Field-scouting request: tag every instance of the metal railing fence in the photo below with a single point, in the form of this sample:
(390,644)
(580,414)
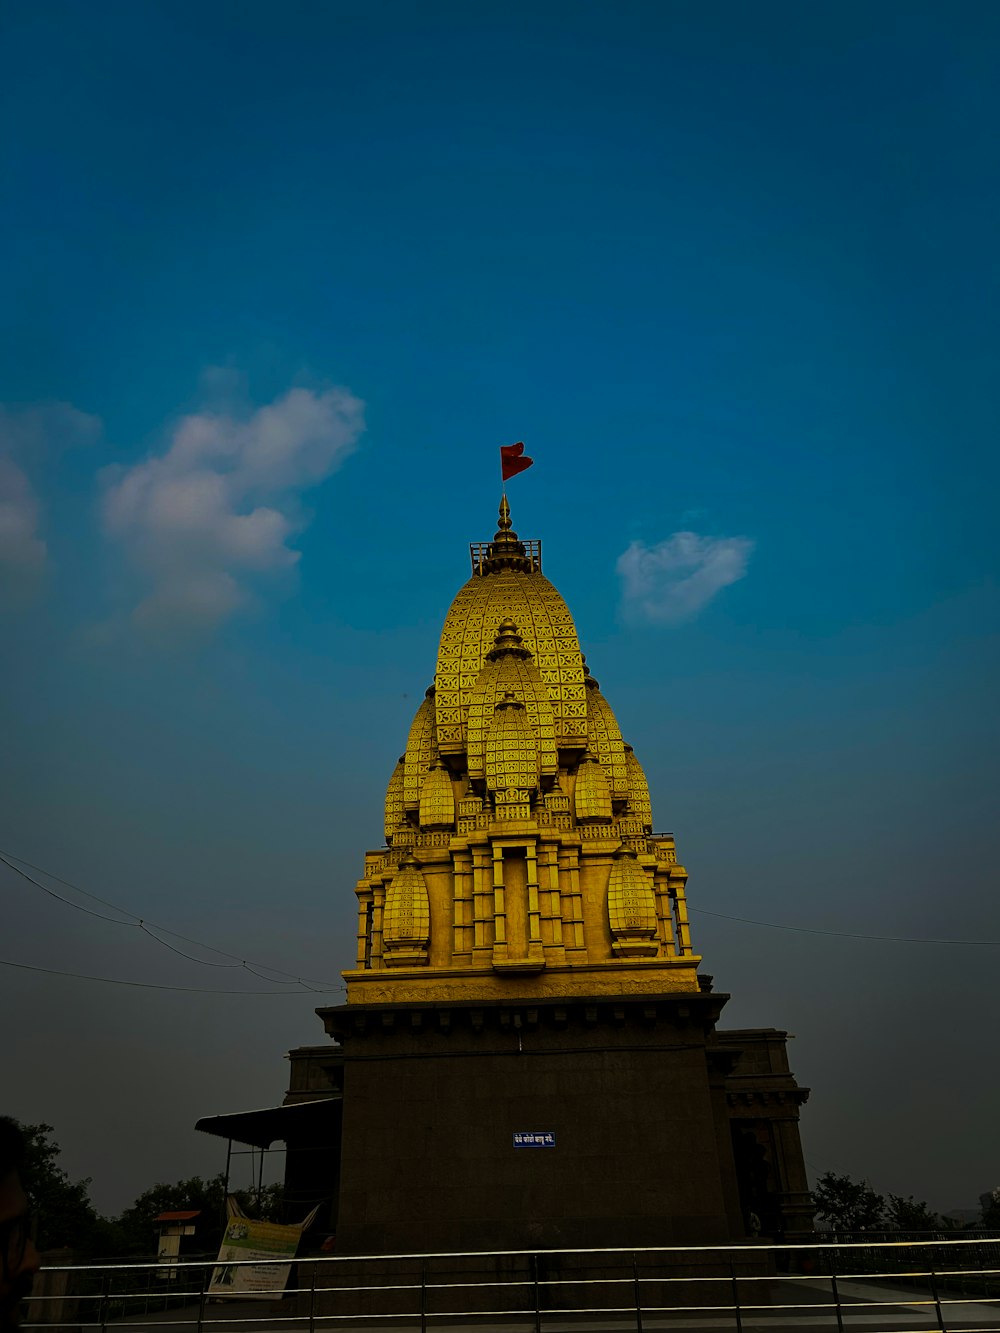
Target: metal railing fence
(942,1285)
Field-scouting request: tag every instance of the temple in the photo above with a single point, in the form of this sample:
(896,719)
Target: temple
(528,1052)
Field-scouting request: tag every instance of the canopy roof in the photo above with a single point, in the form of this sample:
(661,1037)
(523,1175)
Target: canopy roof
(259,1129)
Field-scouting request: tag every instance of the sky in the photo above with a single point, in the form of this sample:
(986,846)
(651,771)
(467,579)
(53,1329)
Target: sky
(278,280)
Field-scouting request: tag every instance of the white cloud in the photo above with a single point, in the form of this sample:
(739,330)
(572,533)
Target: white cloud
(31,434)
(22,551)
(671,581)
(221,502)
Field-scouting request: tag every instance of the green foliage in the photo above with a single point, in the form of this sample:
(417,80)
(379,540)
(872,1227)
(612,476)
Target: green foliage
(269,1207)
(139,1231)
(848,1205)
(138,1228)
(68,1219)
(990,1204)
(910,1214)
(66,1216)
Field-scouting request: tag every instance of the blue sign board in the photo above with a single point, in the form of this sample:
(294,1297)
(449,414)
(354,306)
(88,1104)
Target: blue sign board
(538,1138)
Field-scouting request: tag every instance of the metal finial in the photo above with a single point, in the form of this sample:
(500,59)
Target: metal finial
(506,550)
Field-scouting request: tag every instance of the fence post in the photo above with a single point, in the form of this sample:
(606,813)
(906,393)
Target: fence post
(638,1294)
(105,1300)
(836,1301)
(534,1285)
(937,1301)
(736,1297)
(312,1300)
(206,1274)
(423,1296)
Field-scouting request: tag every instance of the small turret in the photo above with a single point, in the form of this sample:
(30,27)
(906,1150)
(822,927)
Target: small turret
(631,907)
(511,759)
(421,751)
(592,799)
(639,805)
(510,672)
(407,923)
(604,739)
(394,815)
(437,799)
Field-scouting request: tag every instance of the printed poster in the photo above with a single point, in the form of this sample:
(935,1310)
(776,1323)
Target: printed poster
(246,1238)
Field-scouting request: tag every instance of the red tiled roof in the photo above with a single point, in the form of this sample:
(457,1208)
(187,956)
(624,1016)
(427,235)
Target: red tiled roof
(177,1217)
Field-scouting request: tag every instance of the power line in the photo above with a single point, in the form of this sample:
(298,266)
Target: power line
(151,985)
(140,923)
(841,934)
(310,983)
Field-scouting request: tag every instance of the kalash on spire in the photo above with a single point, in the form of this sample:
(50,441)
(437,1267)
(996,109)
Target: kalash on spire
(520,858)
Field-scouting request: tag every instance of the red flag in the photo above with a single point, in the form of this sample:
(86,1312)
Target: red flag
(513,459)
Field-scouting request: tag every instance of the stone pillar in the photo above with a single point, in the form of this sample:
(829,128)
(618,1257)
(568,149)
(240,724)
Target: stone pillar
(664,916)
(534,906)
(464,907)
(551,903)
(499,909)
(572,897)
(482,883)
(364,924)
(378,905)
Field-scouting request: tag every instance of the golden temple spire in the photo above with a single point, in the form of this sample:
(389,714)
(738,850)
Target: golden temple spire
(519,857)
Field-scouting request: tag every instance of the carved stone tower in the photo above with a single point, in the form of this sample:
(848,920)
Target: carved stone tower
(520,859)
(524,976)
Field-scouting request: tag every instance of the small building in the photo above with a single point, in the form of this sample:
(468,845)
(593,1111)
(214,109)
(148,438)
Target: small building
(172,1230)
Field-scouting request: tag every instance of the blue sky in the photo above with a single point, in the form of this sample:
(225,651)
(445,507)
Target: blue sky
(278,281)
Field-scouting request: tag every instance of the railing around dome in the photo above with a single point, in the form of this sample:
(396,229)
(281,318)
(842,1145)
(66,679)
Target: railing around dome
(480,551)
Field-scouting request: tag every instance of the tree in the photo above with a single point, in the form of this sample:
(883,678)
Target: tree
(990,1203)
(910,1215)
(66,1216)
(846,1204)
(208,1197)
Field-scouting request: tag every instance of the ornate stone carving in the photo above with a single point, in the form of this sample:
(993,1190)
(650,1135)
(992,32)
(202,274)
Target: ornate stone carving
(631,906)
(592,798)
(394,800)
(406,927)
(437,799)
(528,814)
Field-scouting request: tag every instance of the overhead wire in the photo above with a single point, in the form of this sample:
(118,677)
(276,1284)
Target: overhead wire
(143,924)
(152,985)
(314,984)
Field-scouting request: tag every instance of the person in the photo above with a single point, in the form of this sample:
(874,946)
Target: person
(19,1260)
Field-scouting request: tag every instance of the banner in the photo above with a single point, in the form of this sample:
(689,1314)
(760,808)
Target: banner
(246,1238)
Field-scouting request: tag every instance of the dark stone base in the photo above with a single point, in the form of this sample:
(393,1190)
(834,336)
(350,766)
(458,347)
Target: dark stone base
(632,1090)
